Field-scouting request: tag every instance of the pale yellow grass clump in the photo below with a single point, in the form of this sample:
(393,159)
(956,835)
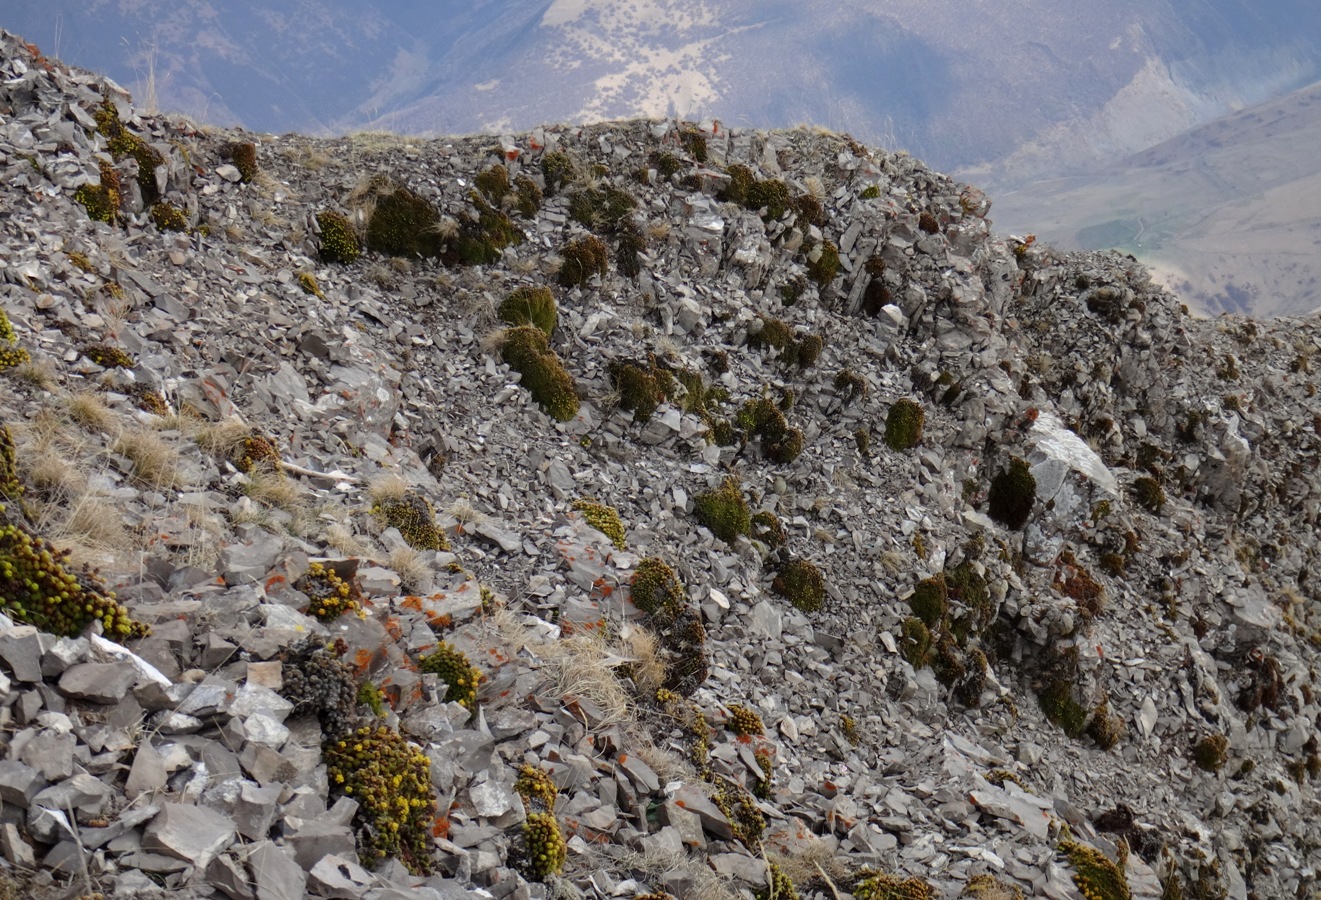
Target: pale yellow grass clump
(340,538)
(414,573)
(386,489)
(90,411)
(156,461)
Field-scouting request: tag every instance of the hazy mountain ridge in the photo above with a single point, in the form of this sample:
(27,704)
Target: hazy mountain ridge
(1225,213)
(1005,92)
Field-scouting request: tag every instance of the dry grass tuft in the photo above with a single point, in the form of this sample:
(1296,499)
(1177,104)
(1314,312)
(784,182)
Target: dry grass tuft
(222,438)
(386,488)
(155,460)
(340,538)
(40,373)
(269,487)
(583,666)
(93,532)
(647,666)
(90,411)
(806,856)
(414,574)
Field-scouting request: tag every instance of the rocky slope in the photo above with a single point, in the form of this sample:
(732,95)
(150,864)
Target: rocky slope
(944,564)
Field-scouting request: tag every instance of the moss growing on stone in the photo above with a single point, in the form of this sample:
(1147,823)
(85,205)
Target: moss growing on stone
(762,419)
(604,519)
(930,601)
(809,350)
(884,886)
(244,157)
(724,511)
(850,387)
(168,217)
(38,587)
(917,645)
(693,142)
(479,240)
(535,787)
(744,721)
(781,886)
(1096,876)
(1012,494)
(1211,752)
(531,306)
(774,334)
(629,242)
(527,196)
(1149,494)
(642,387)
(526,351)
(391,781)
(823,263)
(656,590)
(740,808)
(329,595)
(255,451)
(102,200)
(767,528)
(666,164)
(125,144)
(810,210)
(370,696)
(416,520)
(493,182)
(600,209)
(404,224)
(870,192)
(800,582)
(339,242)
(771,197)
(558,170)
(452,667)
(584,257)
(988,887)
(1058,703)
(926,221)
(903,424)
(741,182)
(108,357)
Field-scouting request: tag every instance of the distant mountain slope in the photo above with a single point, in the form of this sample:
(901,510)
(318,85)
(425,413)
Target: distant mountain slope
(1002,92)
(1228,213)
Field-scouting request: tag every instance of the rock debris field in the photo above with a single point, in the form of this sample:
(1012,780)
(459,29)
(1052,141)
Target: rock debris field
(640,509)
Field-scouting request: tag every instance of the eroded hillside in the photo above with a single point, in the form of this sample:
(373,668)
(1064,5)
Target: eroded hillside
(640,508)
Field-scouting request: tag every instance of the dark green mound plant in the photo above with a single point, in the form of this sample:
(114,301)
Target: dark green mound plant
(903,424)
(339,242)
(531,306)
(724,511)
(1012,494)
(526,351)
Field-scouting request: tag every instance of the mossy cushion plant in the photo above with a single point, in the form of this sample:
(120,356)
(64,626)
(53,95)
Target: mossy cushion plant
(452,665)
(527,352)
(416,520)
(584,257)
(884,886)
(1012,494)
(903,424)
(1096,876)
(800,582)
(531,306)
(38,587)
(656,590)
(339,242)
(404,224)
(724,511)
(391,781)
(329,595)
(604,519)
